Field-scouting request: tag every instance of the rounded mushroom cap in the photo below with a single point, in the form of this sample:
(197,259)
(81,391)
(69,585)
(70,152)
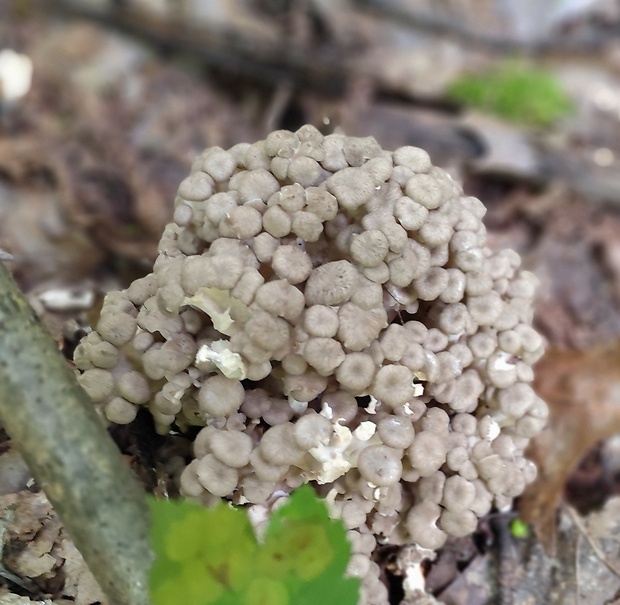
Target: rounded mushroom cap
(292,263)
(117,329)
(458,494)
(312,430)
(220,396)
(396,431)
(331,284)
(393,385)
(428,452)
(321,203)
(351,187)
(120,411)
(307,226)
(415,158)
(217,478)
(102,355)
(232,448)
(323,354)
(189,485)
(516,400)
(281,299)
(243,222)
(380,465)
(458,523)
(265,471)
(305,387)
(421,523)
(358,328)
(219,164)
(196,187)
(410,214)
(369,248)
(134,387)
(321,320)
(97,383)
(354,513)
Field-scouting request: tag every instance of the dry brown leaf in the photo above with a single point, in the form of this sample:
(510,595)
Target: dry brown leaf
(582,390)
(38,550)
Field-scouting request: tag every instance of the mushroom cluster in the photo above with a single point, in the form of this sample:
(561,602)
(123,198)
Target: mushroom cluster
(329,312)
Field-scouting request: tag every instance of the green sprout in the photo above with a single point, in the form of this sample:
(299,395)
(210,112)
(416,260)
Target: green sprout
(519,529)
(515,92)
(211,556)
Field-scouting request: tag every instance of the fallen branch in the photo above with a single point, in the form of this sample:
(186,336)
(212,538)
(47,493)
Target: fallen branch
(225,48)
(53,423)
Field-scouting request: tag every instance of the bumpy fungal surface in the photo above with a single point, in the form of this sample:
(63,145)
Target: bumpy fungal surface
(329,312)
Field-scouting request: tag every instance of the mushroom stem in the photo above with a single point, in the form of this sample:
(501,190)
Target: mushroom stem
(55,426)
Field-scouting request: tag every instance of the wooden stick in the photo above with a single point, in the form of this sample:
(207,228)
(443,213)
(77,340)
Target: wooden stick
(54,424)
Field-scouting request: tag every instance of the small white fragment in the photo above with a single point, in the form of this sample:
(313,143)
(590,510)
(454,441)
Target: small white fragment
(371,408)
(365,430)
(343,436)
(418,389)
(327,411)
(400,295)
(501,364)
(414,579)
(218,312)
(178,394)
(492,430)
(332,494)
(331,457)
(258,514)
(299,407)
(65,299)
(226,361)
(15,75)
(218,304)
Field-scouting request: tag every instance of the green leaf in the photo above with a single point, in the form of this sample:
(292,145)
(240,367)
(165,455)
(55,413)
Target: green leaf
(309,551)
(201,553)
(210,556)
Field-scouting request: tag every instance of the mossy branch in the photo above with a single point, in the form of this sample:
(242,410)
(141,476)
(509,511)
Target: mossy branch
(53,423)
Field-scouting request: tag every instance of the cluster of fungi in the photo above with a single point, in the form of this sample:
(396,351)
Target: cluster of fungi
(329,312)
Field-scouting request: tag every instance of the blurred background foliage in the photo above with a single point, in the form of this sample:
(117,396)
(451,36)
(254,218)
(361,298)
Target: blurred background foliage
(514,92)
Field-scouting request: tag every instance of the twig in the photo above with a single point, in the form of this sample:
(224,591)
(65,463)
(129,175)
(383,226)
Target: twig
(598,551)
(55,426)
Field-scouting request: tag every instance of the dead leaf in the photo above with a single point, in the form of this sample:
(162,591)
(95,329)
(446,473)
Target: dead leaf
(80,585)
(37,548)
(582,390)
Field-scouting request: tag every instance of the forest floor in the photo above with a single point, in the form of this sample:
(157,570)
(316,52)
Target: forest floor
(121,101)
